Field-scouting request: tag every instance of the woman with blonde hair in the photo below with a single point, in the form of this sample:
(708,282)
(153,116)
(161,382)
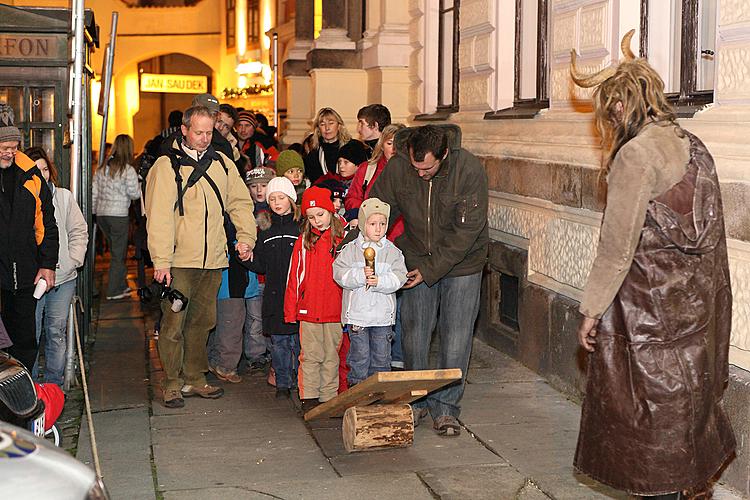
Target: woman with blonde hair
(329,134)
(384,150)
(114,187)
(657,307)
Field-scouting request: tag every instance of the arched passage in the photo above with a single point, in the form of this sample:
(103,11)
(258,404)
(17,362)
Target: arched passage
(155,107)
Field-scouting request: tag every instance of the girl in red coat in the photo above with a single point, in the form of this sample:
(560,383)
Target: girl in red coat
(314,299)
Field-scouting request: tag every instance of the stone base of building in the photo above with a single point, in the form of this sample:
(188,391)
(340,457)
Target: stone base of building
(537,326)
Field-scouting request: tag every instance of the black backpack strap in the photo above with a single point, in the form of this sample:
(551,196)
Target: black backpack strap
(194,178)
(178,179)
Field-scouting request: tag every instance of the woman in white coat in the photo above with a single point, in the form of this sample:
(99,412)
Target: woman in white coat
(52,308)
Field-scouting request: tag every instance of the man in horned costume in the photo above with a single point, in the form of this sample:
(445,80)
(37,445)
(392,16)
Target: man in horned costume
(657,305)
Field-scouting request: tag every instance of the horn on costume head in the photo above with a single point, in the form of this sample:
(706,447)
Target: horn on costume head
(595,79)
(625,46)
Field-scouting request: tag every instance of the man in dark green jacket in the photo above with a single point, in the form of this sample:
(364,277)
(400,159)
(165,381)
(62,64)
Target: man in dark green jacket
(441,191)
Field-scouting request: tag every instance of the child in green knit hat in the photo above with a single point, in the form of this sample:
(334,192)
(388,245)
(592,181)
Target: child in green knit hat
(289,164)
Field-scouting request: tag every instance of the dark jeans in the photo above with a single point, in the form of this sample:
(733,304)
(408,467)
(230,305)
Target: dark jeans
(19,317)
(285,359)
(116,231)
(52,316)
(369,351)
(397,352)
(457,299)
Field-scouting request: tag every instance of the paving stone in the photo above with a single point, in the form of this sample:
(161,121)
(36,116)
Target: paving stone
(375,487)
(478,482)
(429,451)
(123,442)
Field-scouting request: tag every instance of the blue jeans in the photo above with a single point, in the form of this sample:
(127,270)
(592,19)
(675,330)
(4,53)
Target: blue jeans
(285,359)
(52,313)
(457,299)
(397,352)
(256,344)
(369,351)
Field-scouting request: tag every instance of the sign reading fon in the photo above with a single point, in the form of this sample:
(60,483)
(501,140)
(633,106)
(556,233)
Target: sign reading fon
(174,84)
(28,47)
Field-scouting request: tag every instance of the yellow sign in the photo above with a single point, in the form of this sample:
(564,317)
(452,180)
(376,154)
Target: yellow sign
(174,84)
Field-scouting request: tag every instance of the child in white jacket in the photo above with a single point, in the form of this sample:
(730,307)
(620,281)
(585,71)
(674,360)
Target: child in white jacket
(369,298)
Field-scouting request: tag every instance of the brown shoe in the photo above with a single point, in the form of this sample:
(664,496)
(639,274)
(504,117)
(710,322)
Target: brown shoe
(227,376)
(173,399)
(207,391)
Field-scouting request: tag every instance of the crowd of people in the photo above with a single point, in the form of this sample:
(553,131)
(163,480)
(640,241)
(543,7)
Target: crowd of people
(290,260)
(337,258)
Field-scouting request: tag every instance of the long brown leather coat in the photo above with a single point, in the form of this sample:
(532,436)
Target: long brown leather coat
(652,422)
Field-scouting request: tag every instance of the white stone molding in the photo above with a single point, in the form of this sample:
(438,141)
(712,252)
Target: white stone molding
(561,244)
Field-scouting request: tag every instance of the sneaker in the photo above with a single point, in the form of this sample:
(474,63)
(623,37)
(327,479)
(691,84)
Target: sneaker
(121,295)
(283,394)
(447,425)
(173,399)
(258,366)
(207,391)
(227,376)
(419,415)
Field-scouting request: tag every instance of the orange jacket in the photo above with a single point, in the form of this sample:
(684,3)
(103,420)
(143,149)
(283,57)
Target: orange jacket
(28,231)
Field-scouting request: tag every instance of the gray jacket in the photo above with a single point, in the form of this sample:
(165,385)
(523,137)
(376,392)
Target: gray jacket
(375,306)
(74,235)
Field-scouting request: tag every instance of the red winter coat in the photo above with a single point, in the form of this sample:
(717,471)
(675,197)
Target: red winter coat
(356,195)
(311,293)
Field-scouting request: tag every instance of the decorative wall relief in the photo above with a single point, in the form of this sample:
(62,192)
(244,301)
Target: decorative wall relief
(734,12)
(562,247)
(739,274)
(734,73)
(593,28)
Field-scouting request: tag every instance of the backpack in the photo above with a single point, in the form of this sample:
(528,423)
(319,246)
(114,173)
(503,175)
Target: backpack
(194,177)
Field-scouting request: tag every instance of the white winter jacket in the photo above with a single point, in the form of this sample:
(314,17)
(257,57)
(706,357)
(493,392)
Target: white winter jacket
(74,235)
(376,306)
(111,196)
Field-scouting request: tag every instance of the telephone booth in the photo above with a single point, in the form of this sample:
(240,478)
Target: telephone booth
(35,77)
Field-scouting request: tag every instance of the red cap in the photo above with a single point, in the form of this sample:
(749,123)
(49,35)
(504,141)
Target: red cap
(316,197)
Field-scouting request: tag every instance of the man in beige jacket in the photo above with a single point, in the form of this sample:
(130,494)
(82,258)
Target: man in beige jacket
(188,191)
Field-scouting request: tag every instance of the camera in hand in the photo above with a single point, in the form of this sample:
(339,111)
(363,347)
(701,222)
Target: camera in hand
(154,293)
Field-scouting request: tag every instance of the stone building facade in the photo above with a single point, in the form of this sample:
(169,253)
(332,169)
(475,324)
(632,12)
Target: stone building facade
(499,69)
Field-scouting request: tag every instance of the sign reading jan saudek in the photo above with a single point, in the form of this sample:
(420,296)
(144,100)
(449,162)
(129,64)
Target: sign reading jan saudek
(174,84)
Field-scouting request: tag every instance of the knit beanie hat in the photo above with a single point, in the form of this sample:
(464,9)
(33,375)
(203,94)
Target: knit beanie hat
(337,189)
(259,175)
(354,151)
(370,207)
(288,160)
(317,197)
(8,131)
(247,116)
(281,185)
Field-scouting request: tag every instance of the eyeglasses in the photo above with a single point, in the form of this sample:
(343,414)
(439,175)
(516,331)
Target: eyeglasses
(9,149)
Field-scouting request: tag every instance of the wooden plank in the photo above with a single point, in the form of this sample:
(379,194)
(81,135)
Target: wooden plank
(385,388)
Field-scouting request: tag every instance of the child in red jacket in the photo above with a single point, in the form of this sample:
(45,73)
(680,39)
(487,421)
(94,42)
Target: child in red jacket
(314,299)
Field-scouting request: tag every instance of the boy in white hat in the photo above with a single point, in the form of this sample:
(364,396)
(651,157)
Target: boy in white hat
(370,283)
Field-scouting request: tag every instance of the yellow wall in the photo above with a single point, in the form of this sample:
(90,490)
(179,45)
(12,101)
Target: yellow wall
(144,33)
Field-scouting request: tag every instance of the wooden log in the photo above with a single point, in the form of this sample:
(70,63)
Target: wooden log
(377,427)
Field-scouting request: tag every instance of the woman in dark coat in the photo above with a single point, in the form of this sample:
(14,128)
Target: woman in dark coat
(657,305)
(329,134)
